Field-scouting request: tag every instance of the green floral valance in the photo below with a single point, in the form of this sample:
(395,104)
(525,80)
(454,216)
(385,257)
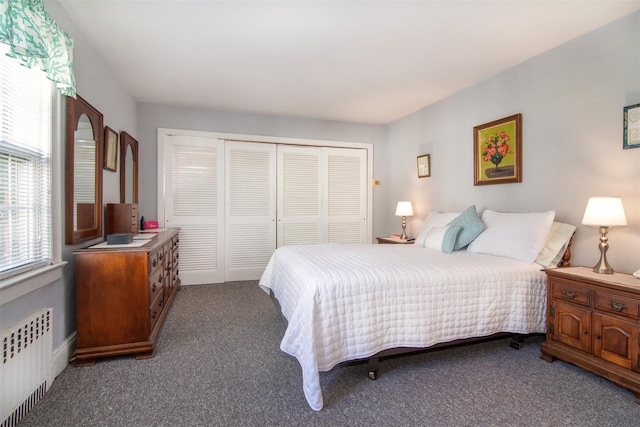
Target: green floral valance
(37,40)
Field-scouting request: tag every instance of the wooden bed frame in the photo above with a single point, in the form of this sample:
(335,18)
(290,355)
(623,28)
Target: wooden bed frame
(517,340)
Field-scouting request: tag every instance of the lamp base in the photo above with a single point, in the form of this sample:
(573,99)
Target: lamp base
(602,270)
(603,266)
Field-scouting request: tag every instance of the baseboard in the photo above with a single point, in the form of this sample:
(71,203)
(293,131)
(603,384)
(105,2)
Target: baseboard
(62,355)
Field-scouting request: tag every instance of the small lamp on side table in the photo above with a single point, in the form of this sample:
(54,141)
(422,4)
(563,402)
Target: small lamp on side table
(404,209)
(604,212)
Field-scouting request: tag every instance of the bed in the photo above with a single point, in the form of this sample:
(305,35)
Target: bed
(345,302)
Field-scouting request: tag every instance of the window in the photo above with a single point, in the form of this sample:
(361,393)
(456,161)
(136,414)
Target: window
(25,167)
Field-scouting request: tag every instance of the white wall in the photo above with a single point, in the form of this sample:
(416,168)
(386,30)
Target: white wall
(571,99)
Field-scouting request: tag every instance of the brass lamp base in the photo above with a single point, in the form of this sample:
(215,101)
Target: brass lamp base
(404,228)
(603,266)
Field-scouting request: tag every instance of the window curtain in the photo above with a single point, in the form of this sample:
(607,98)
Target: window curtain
(36,40)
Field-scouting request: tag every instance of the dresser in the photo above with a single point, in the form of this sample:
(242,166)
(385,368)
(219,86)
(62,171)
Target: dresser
(123,295)
(593,321)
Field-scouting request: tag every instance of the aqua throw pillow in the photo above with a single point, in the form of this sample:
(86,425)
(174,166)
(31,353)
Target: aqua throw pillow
(471,227)
(442,238)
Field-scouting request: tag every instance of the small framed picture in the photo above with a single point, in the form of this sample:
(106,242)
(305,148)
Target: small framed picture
(497,151)
(424,166)
(110,149)
(631,127)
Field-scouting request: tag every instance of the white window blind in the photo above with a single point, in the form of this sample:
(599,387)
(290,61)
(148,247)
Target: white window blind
(25,167)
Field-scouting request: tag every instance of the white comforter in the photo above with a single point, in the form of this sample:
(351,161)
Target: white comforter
(347,302)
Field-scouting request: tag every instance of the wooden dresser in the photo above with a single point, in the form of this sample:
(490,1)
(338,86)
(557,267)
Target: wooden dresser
(593,321)
(123,296)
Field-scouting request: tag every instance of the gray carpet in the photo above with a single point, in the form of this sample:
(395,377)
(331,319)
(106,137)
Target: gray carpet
(218,363)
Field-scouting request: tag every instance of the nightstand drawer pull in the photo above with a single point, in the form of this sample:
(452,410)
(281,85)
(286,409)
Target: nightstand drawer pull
(616,305)
(569,294)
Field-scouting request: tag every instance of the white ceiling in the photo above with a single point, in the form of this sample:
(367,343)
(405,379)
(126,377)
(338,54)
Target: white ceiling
(356,61)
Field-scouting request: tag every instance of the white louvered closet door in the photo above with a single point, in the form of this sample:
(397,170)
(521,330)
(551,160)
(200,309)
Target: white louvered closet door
(194,185)
(345,172)
(299,195)
(250,209)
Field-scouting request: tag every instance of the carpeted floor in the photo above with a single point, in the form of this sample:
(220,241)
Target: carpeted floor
(218,363)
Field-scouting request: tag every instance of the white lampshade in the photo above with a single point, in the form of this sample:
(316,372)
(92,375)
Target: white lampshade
(604,212)
(404,209)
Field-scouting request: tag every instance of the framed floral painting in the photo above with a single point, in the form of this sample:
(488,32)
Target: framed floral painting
(497,151)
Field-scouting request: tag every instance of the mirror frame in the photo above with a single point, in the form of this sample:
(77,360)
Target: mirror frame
(127,140)
(75,109)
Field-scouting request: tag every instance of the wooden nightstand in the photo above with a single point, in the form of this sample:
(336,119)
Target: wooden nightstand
(394,241)
(593,321)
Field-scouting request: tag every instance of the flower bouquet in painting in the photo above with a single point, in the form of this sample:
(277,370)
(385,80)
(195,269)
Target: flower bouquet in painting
(495,150)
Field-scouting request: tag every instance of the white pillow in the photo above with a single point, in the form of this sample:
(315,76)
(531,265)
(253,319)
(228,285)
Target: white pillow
(435,219)
(556,244)
(513,235)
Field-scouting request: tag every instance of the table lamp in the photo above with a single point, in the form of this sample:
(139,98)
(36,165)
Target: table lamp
(604,212)
(404,209)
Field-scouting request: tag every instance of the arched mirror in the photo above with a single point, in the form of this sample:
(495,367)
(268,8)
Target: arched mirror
(83,171)
(128,168)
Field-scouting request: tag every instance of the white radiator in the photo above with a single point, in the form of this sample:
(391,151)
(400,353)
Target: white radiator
(25,372)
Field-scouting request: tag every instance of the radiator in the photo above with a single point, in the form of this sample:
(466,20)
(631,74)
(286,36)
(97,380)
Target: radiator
(25,372)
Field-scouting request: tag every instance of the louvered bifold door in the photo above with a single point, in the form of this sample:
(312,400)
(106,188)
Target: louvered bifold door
(250,209)
(346,197)
(194,185)
(299,195)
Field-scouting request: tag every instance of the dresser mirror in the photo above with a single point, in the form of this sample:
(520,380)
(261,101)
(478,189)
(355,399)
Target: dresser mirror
(83,182)
(128,168)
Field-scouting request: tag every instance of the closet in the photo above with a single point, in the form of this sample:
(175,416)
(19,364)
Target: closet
(235,201)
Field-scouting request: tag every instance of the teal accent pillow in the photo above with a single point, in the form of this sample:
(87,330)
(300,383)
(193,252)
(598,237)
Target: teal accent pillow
(442,238)
(450,236)
(471,226)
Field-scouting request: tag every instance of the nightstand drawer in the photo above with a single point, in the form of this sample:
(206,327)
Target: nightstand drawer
(568,291)
(620,305)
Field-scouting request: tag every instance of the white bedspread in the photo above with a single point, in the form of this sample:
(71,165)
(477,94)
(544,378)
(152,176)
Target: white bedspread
(347,302)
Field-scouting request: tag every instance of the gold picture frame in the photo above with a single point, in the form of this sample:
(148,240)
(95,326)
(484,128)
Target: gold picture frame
(110,161)
(497,151)
(424,166)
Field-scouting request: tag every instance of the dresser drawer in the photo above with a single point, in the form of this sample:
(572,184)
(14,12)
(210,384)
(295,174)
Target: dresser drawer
(568,291)
(620,305)
(155,284)
(155,261)
(154,310)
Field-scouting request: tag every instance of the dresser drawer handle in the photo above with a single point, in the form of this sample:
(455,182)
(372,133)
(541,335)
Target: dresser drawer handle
(155,262)
(569,294)
(153,288)
(616,305)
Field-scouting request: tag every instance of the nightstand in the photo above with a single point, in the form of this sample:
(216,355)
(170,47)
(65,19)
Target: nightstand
(394,241)
(593,321)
